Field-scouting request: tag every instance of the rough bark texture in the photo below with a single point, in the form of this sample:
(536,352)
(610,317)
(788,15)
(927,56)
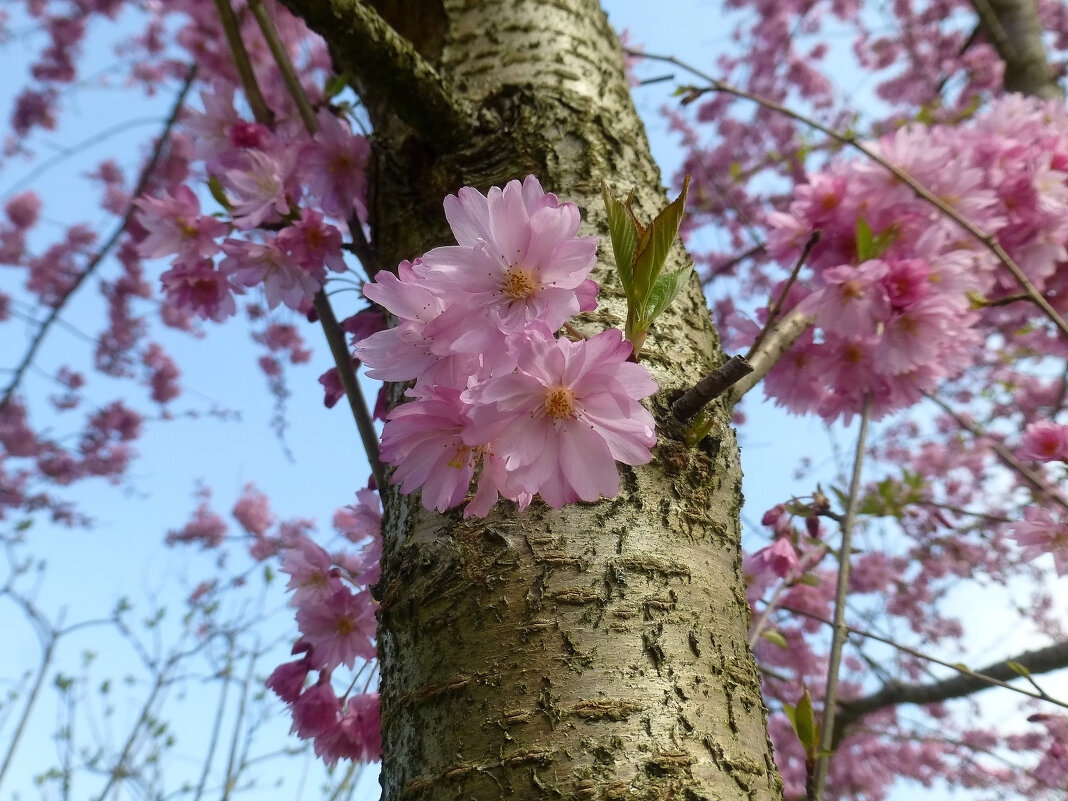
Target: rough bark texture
(599,651)
(1015,30)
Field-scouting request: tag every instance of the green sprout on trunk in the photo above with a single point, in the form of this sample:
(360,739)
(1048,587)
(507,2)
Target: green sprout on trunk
(641,251)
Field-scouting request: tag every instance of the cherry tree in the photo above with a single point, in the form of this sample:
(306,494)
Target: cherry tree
(541,588)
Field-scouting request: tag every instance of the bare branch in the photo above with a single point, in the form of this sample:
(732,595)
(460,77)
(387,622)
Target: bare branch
(967,682)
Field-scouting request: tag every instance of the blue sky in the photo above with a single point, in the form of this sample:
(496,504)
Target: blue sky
(123,554)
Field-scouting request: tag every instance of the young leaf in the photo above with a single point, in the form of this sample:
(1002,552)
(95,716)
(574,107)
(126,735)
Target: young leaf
(216,188)
(665,290)
(655,242)
(336,84)
(865,240)
(621,225)
(775,638)
(804,723)
(1018,669)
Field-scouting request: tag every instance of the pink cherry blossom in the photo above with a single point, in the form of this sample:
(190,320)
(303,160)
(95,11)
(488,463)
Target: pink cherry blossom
(334,167)
(1040,533)
(316,710)
(200,288)
(263,188)
(518,260)
(358,734)
(175,226)
(284,281)
(1045,441)
(339,627)
(565,416)
(311,575)
(288,679)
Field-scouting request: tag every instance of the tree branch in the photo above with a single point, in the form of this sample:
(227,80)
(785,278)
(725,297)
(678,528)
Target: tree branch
(1015,31)
(967,682)
(389,68)
(841,630)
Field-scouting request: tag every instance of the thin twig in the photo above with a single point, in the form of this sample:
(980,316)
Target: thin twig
(777,341)
(849,140)
(109,243)
(285,66)
(776,307)
(232,29)
(1044,660)
(339,348)
(1004,455)
(841,631)
(335,337)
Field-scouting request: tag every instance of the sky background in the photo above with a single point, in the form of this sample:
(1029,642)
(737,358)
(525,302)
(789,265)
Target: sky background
(319,468)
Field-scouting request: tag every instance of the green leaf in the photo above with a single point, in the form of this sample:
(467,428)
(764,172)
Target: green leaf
(654,243)
(809,580)
(804,723)
(665,290)
(871,246)
(1018,669)
(775,638)
(335,85)
(621,225)
(216,188)
(865,240)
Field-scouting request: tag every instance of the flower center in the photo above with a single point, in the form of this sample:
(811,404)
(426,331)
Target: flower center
(560,403)
(459,459)
(519,283)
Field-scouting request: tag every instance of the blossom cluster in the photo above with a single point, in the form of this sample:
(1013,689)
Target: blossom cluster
(895,284)
(497,396)
(337,620)
(278,190)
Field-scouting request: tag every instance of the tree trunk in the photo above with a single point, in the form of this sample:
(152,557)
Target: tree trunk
(598,651)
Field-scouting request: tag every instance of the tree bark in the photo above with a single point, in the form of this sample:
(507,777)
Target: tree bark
(598,651)
(1014,29)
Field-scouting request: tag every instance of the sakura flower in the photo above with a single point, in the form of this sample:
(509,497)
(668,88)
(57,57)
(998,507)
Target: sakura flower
(287,680)
(853,301)
(362,524)
(334,167)
(253,511)
(423,440)
(263,189)
(311,576)
(404,352)
(1045,441)
(779,559)
(313,244)
(357,735)
(200,288)
(284,281)
(315,711)
(174,226)
(568,412)
(23,210)
(1040,533)
(339,627)
(518,261)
